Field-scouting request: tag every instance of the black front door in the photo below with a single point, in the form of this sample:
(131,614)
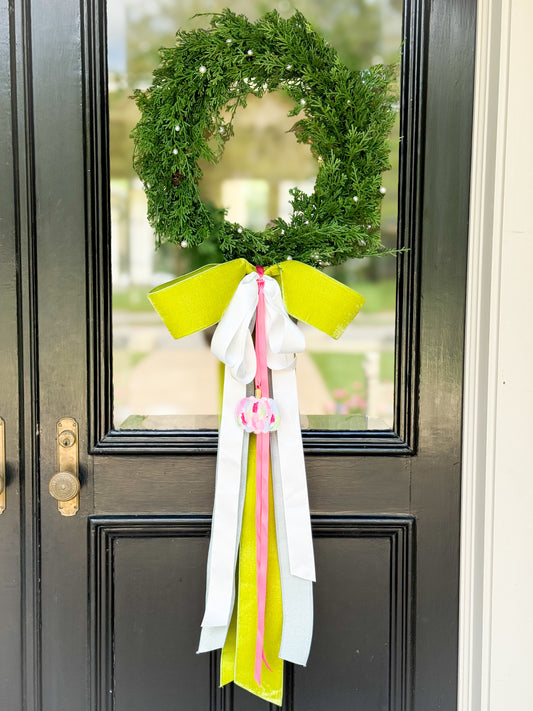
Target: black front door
(101,610)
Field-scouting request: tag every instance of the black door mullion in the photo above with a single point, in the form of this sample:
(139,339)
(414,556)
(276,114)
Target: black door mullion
(19,592)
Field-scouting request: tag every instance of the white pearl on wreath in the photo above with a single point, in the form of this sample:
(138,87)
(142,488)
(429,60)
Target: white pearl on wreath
(306,222)
(289,66)
(250,52)
(289,257)
(383,190)
(202,69)
(175,151)
(282,232)
(148,185)
(239,230)
(184,243)
(177,127)
(302,102)
(355,198)
(229,40)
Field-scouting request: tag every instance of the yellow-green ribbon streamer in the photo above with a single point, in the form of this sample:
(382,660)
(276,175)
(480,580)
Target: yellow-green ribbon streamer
(238,653)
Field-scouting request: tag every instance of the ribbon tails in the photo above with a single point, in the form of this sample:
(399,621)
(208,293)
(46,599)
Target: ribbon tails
(262,476)
(267,616)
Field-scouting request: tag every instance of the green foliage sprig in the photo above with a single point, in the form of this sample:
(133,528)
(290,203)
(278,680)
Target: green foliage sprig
(344,116)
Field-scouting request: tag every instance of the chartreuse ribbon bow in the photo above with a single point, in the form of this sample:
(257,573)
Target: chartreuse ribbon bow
(187,305)
(197,300)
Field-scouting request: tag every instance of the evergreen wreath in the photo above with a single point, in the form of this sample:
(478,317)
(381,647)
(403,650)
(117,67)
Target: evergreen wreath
(187,115)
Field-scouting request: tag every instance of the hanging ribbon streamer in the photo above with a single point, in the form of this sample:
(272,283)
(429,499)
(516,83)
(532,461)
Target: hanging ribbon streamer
(241,298)
(262,473)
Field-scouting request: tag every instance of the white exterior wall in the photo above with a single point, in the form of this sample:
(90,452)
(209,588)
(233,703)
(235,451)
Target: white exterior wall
(495,667)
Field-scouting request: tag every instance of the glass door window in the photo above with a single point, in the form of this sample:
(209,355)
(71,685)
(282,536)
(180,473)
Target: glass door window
(160,383)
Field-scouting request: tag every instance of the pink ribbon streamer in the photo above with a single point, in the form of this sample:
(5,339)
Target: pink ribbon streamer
(262,477)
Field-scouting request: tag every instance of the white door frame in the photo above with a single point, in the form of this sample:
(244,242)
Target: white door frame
(496,619)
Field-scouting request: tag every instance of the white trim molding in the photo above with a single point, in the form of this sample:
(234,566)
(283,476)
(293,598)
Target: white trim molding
(496,623)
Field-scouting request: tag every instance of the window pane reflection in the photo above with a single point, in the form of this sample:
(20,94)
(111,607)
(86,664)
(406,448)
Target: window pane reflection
(160,383)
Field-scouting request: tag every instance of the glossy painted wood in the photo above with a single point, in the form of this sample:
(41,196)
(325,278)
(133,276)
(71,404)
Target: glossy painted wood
(187,485)
(11,650)
(131,562)
(435,488)
(142,566)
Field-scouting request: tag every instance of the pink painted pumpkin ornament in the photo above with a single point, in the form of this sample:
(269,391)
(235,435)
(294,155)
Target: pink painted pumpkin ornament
(258,415)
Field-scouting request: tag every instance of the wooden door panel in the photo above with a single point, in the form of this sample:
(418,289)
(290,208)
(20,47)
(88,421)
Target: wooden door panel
(166,485)
(170,485)
(363,598)
(148,591)
(148,594)
(155,654)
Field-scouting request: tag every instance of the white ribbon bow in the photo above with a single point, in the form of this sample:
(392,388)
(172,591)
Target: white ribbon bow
(232,341)
(232,344)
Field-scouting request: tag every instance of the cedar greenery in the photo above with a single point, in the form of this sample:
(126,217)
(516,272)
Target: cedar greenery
(345,117)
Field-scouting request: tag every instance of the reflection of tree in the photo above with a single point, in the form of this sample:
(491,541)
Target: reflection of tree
(355,27)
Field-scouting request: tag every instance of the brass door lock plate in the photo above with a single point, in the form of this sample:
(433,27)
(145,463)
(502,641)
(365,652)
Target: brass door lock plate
(65,485)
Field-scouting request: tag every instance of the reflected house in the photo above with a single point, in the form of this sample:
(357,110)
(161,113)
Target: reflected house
(252,180)
(260,164)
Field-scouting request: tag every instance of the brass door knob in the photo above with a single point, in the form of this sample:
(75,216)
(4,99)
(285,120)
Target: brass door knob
(64,486)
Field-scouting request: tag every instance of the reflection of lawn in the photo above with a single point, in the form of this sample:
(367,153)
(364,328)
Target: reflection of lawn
(342,370)
(379,295)
(134,298)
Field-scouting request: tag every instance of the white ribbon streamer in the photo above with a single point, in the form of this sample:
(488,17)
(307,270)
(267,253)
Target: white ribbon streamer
(293,478)
(214,637)
(296,593)
(227,515)
(232,344)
